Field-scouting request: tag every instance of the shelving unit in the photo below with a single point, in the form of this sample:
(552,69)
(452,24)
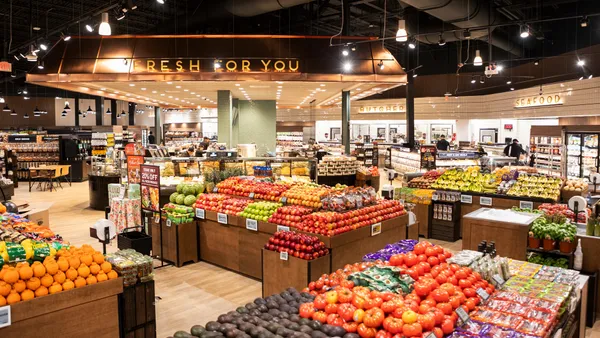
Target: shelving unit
(556,253)
(546,146)
(293,139)
(404,161)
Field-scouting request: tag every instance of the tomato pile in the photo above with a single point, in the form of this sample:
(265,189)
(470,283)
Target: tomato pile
(439,289)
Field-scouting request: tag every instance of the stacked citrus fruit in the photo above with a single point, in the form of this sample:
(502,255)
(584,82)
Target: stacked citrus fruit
(72,268)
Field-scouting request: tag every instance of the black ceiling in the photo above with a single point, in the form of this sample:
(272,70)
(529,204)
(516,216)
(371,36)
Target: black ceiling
(555,26)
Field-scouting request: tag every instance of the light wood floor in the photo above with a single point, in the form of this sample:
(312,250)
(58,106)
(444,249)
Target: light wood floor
(193,294)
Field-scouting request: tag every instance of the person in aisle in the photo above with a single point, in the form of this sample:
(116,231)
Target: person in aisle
(190,152)
(442,144)
(151,139)
(514,149)
(205,143)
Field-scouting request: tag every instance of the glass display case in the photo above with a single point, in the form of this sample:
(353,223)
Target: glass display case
(457,159)
(405,160)
(547,153)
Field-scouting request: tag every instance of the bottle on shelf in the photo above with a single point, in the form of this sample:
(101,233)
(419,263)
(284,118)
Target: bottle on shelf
(578,263)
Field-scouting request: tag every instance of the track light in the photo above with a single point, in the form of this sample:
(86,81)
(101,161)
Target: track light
(13,113)
(412,43)
(25,91)
(536,62)
(40,65)
(65,37)
(162,2)
(104,28)
(16,57)
(441,41)
(31,55)
(347,66)
(524,32)
(401,34)
(580,63)
(477,61)
(67,108)
(591,76)
(13,74)
(353,48)
(584,22)
(508,82)
(89,28)
(345,52)
(380,65)
(120,15)
(415,75)
(512,88)
(482,80)
(43,46)
(473,79)
(6,108)
(25,97)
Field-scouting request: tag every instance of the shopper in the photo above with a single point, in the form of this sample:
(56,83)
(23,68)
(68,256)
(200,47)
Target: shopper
(205,143)
(442,144)
(151,139)
(514,149)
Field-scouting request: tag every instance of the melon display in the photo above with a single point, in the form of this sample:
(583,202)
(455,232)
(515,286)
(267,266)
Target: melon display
(187,190)
(180,187)
(189,200)
(180,198)
(173,197)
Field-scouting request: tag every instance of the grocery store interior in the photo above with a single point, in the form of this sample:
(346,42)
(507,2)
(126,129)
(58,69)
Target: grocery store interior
(300,168)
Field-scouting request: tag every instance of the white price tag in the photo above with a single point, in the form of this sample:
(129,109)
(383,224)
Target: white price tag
(499,280)
(375,229)
(485,201)
(251,224)
(526,205)
(122,191)
(283,228)
(462,314)
(5,316)
(435,197)
(251,195)
(283,255)
(200,213)
(431,335)
(284,200)
(215,190)
(222,218)
(401,201)
(468,199)
(168,222)
(483,294)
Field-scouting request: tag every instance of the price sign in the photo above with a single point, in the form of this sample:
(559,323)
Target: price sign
(402,202)
(222,218)
(5,316)
(462,314)
(200,213)
(467,199)
(122,192)
(499,280)
(375,229)
(485,201)
(283,228)
(284,200)
(251,224)
(483,294)
(215,190)
(526,205)
(431,335)
(251,195)
(283,255)
(168,222)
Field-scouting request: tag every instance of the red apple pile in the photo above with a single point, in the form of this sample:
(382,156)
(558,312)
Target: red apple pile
(210,202)
(238,186)
(298,245)
(290,215)
(232,206)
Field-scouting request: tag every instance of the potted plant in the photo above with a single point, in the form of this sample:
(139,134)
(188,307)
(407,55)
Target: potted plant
(534,242)
(535,235)
(566,238)
(548,243)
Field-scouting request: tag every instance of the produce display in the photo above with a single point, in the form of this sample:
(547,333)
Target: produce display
(186,194)
(260,211)
(290,215)
(383,279)
(73,268)
(349,198)
(400,247)
(233,206)
(575,185)
(308,195)
(210,202)
(298,245)
(425,181)
(553,230)
(560,212)
(536,185)
(178,214)
(12,223)
(244,186)
(537,258)
(467,180)
(132,266)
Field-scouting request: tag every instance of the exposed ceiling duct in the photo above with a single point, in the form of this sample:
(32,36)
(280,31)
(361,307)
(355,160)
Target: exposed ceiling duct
(462,14)
(248,8)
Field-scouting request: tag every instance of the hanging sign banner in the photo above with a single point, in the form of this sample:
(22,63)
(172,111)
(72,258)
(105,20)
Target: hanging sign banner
(539,101)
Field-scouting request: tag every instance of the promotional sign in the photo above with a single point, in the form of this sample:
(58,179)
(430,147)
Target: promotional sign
(150,185)
(428,157)
(133,168)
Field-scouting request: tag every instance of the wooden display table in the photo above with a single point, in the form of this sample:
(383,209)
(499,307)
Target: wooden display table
(93,309)
(175,243)
(510,237)
(423,213)
(280,274)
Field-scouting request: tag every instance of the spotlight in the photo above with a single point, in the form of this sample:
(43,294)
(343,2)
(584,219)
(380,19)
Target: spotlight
(466,34)
(345,52)
(482,80)
(43,46)
(89,28)
(524,32)
(473,79)
(580,63)
(67,108)
(380,65)
(415,75)
(162,2)
(25,97)
(104,28)
(13,74)
(65,37)
(499,68)
(477,61)
(441,41)
(25,91)
(536,62)
(347,66)
(40,65)
(401,34)
(120,15)
(13,113)
(591,76)
(2,99)
(512,88)
(412,44)
(509,82)
(581,78)
(353,48)
(16,57)
(217,64)
(584,22)
(6,109)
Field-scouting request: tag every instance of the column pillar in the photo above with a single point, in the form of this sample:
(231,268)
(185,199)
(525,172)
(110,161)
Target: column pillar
(99,109)
(410,111)
(157,125)
(346,121)
(225,117)
(76,109)
(131,113)
(113,112)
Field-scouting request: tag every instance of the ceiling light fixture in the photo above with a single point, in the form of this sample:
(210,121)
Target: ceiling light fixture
(65,37)
(524,32)
(89,28)
(466,34)
(40,65)
(26,116)
(512,88)
(581,78)
(412,44)
(591,76)
(108,112)
(162,2)
(481,79)
(381,65)
(473,79)
(584,22)
(580,63)
(415,75)
(6,108)
(345,52)
(441,41)
(536,62)
(43,46)
(89,110)
(13,113)
(104,28)
(401,34)
(499,68)
(509,82)
(477,61)
(63,114)
(67,108)
(347,66)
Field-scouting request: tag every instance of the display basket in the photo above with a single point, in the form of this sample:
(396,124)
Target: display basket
(136,240)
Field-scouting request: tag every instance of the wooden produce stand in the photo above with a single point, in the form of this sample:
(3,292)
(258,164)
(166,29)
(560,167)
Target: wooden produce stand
(69,314)
(590,246)
(510,237)
(423,213)
(280,274)
(178,241)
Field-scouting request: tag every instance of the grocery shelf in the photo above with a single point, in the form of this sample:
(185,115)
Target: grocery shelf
(553,252)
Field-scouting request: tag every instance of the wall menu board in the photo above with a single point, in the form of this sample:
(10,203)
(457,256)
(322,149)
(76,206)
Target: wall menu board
(150,186)
(428,154)
(22,138)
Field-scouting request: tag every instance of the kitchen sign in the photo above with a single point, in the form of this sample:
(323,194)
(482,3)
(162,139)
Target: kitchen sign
(539,101)
(180,65)
(386,108)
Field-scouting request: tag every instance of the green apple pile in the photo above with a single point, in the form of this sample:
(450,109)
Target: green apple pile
(260,211)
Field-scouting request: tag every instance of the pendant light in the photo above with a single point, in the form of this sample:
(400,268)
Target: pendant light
(26,116)
(108,112)
(401,34)
(67,108)
(89,110)
(36,112)
(6,108)
(63,114)
(104,28)
(13,113)
(477,61)
(83,115)
(123,113)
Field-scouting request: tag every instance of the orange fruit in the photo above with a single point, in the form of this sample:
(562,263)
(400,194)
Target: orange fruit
(74,262)
(27,295)
(101,277)
(33,283)
(19,286)
(2,301)
(55,288)
(25,272)
(86,259)
(94,269)
(63,264)
(68,285)
(38,270)
(72,274)
(60,277)
(98,258)
(4,289)
(47,280)
(11,276)
(79,282)
(112,274)
(2,271)
(83,271)
(13,297)
(51,267)
(41,291)
(106,267)
(91,280)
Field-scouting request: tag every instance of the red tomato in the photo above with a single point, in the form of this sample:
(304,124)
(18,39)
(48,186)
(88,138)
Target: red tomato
(433,261)
(441,278)
(430,302)
(386,296)
(344,295)
(373,303)
(422,258)
(469,292)
(366,332)
(427,321)
(419,268)
(383,334)
(358,301)
(454,301)
(454,267)
(410,259)
(422,289)
(412,330)
(446,308)
(373,317)
(431,251)
(413,298)
(452,280)
(320,316)
(438,332)
(476,275)
(475,300)
(461,274)
(412,305)
(441,257)
(331,308)
(438,249)
(335,319)
(447,327)
(397,260)
(413,273)
(346,311)
(320,302)
(448,287)
(438,315)
(426,266)
(440,295)
(393,325)
(307,310)
(351,327)
(419,248)
(390,306)
(470,304)
(464,283)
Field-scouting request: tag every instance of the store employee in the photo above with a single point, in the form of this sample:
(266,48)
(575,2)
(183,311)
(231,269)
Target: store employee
(442,144)
(514,149)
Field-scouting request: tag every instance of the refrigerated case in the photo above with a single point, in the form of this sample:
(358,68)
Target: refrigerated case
(582,154)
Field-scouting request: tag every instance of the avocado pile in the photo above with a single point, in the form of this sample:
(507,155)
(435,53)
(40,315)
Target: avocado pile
(275,316)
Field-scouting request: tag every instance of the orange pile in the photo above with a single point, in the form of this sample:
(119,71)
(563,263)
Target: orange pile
(74,268)
(306,195)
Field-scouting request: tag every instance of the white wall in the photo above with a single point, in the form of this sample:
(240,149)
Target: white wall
(323,127)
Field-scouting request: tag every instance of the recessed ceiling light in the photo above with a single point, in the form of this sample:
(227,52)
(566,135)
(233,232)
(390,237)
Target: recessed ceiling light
(154,92)
(186,90)
(177,86)
(162,94)
(169,82)
(132,85)
(237,84)
(279,86)
(192,93)
(143,88)
(170,97)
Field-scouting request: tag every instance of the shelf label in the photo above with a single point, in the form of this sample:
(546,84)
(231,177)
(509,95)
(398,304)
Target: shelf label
(462,314)
(526,205)
(375,229)
(122,192)
(468,199)
(283,255)
(215,190)
(483,294)
(284,200)
(431,335)
(499,280)
(169,223)
(251,195)
(485,201)
(283,228)
(5,316)
(251,224)
(222,218)
(200,213)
